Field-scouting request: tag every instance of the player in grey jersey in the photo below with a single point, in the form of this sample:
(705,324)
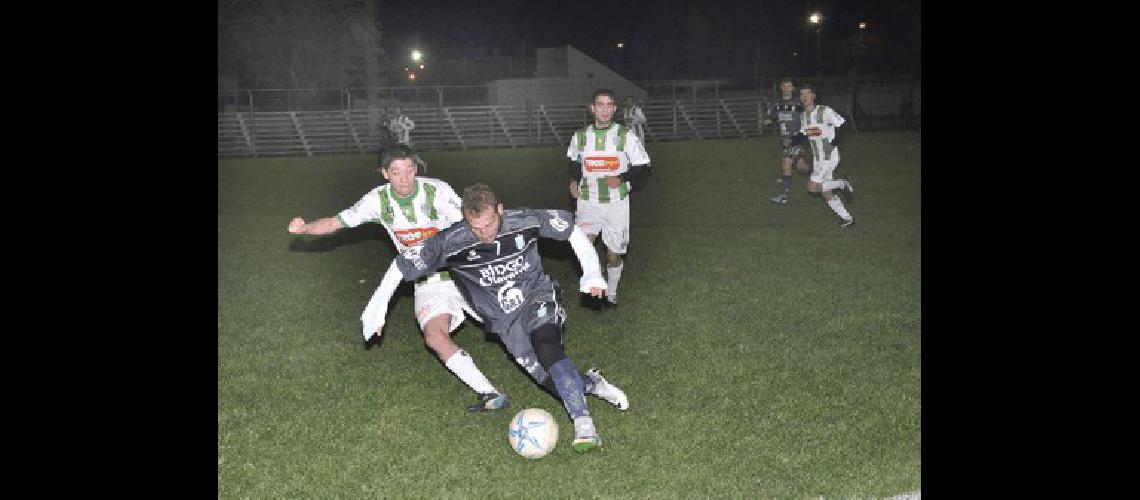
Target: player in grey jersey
(493,257)
(786,112)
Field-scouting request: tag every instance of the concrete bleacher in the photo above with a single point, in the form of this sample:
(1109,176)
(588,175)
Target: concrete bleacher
(325,132)
(274,134)
(297,133)
(233,140)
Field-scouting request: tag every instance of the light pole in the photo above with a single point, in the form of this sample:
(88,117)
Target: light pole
(817,19)
(417,62)
(861,45)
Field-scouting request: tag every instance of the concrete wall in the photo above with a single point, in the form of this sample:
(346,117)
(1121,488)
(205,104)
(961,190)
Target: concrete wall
(563,75)
(559,90)
(551,62)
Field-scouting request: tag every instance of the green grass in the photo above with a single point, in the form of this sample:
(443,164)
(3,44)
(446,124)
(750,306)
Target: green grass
(767,353)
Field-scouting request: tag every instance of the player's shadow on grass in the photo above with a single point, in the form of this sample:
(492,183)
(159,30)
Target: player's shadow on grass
(331,242)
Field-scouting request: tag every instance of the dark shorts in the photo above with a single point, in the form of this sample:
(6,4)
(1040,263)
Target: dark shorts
(541,309)
(790,150)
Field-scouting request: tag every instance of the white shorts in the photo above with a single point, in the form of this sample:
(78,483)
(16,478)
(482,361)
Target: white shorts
(435,296)
(822,170)
(611,219)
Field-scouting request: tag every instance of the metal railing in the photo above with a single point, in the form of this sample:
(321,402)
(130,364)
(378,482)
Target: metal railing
(295,133)
(256,100)
(269,122)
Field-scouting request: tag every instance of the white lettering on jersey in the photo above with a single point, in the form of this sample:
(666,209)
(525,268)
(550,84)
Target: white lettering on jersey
(494,274)
(520,243)
(510,297)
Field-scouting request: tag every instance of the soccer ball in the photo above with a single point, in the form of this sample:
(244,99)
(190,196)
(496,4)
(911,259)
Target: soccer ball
(533,433)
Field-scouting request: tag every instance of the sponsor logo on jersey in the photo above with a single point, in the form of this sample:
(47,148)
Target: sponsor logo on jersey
(558,223)
(473,256)
(814,132)
(601,163)
(520,242)
(510,297)
(413,236)
(494,274)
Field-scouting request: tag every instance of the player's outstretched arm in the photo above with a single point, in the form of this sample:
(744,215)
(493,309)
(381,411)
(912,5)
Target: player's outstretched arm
(327,225)
(592,281)
(372,319)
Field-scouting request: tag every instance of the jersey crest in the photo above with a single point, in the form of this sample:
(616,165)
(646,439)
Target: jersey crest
(558,223)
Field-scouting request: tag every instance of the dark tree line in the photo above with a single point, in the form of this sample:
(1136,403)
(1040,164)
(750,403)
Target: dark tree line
(299,43)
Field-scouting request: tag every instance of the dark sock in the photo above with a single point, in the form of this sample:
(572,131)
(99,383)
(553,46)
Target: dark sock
(787,184)
(587,385)
(570,387)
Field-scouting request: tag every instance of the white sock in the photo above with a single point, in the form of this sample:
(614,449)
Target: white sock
(584,426)
(833,185)
(613,276)
(836,205)
(464,367)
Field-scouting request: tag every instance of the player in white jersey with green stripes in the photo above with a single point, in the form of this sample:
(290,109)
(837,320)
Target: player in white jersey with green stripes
(605,160)
(412,209)
(820,124)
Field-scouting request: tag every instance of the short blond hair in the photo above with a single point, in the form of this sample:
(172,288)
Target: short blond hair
(477,198)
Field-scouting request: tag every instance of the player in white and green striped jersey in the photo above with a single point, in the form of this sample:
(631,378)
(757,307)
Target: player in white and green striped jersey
(412,208)
(605,160)
(820,124)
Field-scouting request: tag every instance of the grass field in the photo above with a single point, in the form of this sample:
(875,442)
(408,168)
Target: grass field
(766,352)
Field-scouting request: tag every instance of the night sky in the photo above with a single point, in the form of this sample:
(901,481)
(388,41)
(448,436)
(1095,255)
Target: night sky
(664,39)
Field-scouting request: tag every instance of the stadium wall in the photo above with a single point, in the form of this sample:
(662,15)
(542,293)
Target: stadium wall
(563,75)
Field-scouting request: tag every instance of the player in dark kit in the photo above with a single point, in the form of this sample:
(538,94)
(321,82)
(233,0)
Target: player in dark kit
(493,257)
(786,112)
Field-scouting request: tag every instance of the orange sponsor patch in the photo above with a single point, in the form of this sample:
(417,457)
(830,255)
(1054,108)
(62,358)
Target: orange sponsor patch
(601,163)
(410,237)
(814,132)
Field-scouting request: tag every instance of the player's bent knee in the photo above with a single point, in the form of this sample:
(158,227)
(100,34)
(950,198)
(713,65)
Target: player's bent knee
(547,343)
(440,342)
(436,334)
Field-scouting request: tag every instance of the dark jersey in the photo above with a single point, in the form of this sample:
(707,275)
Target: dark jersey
(496,278)
(786,113)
